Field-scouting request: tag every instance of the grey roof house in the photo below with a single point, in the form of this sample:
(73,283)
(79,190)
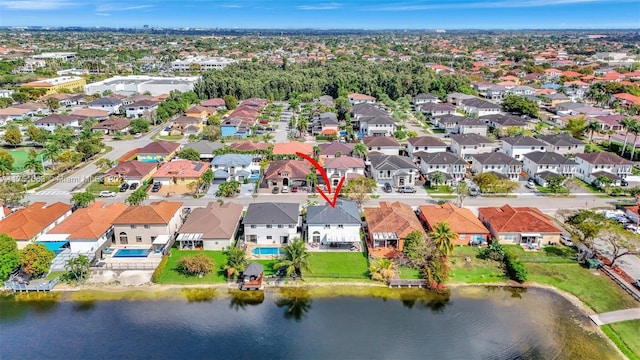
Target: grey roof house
(326,225)
(271,223)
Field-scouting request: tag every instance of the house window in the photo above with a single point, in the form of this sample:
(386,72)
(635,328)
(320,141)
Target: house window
(280,226)
(153,238)
(123,238)
(327,226)
(252,226)
(133,226)
(147,226)
(340,226)
(269,226)
(138,238)
(291,226)
(269,237)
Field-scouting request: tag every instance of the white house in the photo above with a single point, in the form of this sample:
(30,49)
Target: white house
(382,144)
(337,225)
(360,98)
(520,145)
(541,165)
(595,164)
(466,145)
(479,107)
(425,98)
(393,169)
(141,108)
(113,106)
(50,122)
(233,167)
(452,166)
(428,144)
(271,223)
(382,125)
(563,144)
(497,162)
(344,166)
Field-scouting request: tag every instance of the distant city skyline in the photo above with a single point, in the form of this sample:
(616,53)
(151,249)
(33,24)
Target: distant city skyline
(347,14)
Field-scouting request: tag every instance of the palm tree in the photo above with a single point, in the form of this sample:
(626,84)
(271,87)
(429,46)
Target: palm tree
(359,150)
(437,178)
(105,164)
(236,261)
(137,197)
(635,130)
(627,123)
(592,127)
(317,150)
(296,258)
(51,151)
(34,164)
(443,237)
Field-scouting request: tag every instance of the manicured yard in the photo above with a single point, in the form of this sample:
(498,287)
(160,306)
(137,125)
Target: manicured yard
(625,336)
(95,187)
(475,271)
(405,272)
(349,265)
(548,254)
(170,137)
(20,157)
(172,276)
(440,189)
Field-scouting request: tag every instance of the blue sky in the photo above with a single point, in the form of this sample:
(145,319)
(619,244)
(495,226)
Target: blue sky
(372,14)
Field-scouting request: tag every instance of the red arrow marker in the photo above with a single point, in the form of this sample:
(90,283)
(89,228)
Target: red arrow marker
(315,164)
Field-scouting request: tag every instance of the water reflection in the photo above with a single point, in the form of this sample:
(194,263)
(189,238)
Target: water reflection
(296,303)
(84,305)
(436,302)
(241,299)
(199,295)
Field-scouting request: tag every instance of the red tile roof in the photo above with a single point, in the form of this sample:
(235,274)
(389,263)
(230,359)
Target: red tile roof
(461,220)
(291,148)
(159,212)
(159,147)
(133,168)
(26,223)
(91,222)
(396,217)
(507,219)
(182,168)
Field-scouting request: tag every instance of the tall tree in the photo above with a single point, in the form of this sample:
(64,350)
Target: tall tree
(137,197)
(626,123)
(34,162)
(359,150)
(12,192)
(12,135)
(576,127)
(36,134)
(230,102)
(9,256)
(35,259)
(635,130)
(236,261)
(416,248)
(358,189)
(443,237)
(83,199)
(189,154)
(6,163)
(437,178)
(296,258)
(105,164)
(462,191)
(77,268)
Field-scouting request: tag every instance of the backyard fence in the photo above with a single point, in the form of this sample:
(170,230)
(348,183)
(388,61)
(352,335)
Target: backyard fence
(129,266)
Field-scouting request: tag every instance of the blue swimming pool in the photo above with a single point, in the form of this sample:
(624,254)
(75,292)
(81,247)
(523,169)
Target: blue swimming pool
(130,253)
(267,251)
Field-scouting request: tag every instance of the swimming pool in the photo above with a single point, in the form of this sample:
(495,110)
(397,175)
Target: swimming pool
(129,253)
(267,251)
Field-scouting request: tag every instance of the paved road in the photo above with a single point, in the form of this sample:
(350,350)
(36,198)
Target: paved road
(616,316)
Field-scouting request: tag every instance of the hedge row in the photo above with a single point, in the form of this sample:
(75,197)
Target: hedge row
(514,267)
(160,269)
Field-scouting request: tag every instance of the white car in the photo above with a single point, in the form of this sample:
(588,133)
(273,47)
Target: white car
(106,193)
(566,240)
(530,185)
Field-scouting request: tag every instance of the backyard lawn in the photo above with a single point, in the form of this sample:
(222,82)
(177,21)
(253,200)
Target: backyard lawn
(475,271)
(170,275)
(625,336)
(20,157)
(408,273)
(348,265)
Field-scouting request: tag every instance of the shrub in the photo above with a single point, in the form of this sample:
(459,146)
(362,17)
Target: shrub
(495,252)
(160,269)
(514,267)
(196,265)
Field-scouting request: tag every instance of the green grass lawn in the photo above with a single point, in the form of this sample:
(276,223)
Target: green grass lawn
(95,187)
(172,276)
(475,271)
(170,137)
(350,265)
(545,190)
(438,131)
(20,157)
(407,273)
(625,336)
(548,254)
(440,189)
(54,274)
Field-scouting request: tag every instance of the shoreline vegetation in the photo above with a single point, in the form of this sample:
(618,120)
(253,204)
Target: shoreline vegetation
(590,291)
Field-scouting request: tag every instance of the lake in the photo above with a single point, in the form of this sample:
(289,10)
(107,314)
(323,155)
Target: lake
(470,323)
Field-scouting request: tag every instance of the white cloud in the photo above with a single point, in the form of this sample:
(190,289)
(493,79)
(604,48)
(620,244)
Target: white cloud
(484,4)
(103,8)
(232,6)
(326,6)
(37,4)
(103,14)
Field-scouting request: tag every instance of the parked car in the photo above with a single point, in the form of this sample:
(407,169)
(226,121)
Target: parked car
(566,240)
(275,190)
(474,191)
(387,188)
(106,193)
(294,189)
(156,187)
(133,186)
(137,136)
(530,185)
(124,187)
(636,283)
(407,189)
(285,189)
(624,182)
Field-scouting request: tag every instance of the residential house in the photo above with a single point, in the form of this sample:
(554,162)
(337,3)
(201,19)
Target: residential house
(186,125)
(382,144)
(142,108)
(596,164)
(339,225)
(237,127)
(271,223)
(227,167)
(292,148)
(199,112)
(479,107)
(437,109)
(326,100)
(471,126)
(325,123)
(360,98)
(12,113)
(130,172)
(466,145)
(499,163)
(213,227)
(344,166)
(158,151)
(250,146)
(112,106)
(563,144)
(556,99)
(89,230)
(501,123)
(462,222)
(382,125)
(541,165)
(113,126)
(26,225)
(452,166)
(520,145)
(96,114)
(387,227)
(180,172)
(50,122)
(393,169)
(610,122)
(519,225)
(335,149)
(626,99)
(286,173)
(215,104)
(428,144)
(143,224)
(424,99)
(458,98)
(205,148)
(447,122)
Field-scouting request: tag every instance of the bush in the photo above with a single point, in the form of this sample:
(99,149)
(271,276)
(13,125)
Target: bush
(160,269)
(514,267)
(196,265)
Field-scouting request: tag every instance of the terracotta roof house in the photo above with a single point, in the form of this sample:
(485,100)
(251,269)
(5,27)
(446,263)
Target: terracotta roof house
(596,164)
(216,103)
(339,225)
(330,150)
(199,112)
(97,114)
(469,228)
(213,227)
(382,145)
(388,226)
(344,166)
(428,144)
(627,99)
(250,146)
(142,225)
(112,126)
(527,226)
(90,229)
(286,173)
(271,223)
(291,148)
(158,151)
(180,172)
(27,224)
(133,171)
(360,98)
